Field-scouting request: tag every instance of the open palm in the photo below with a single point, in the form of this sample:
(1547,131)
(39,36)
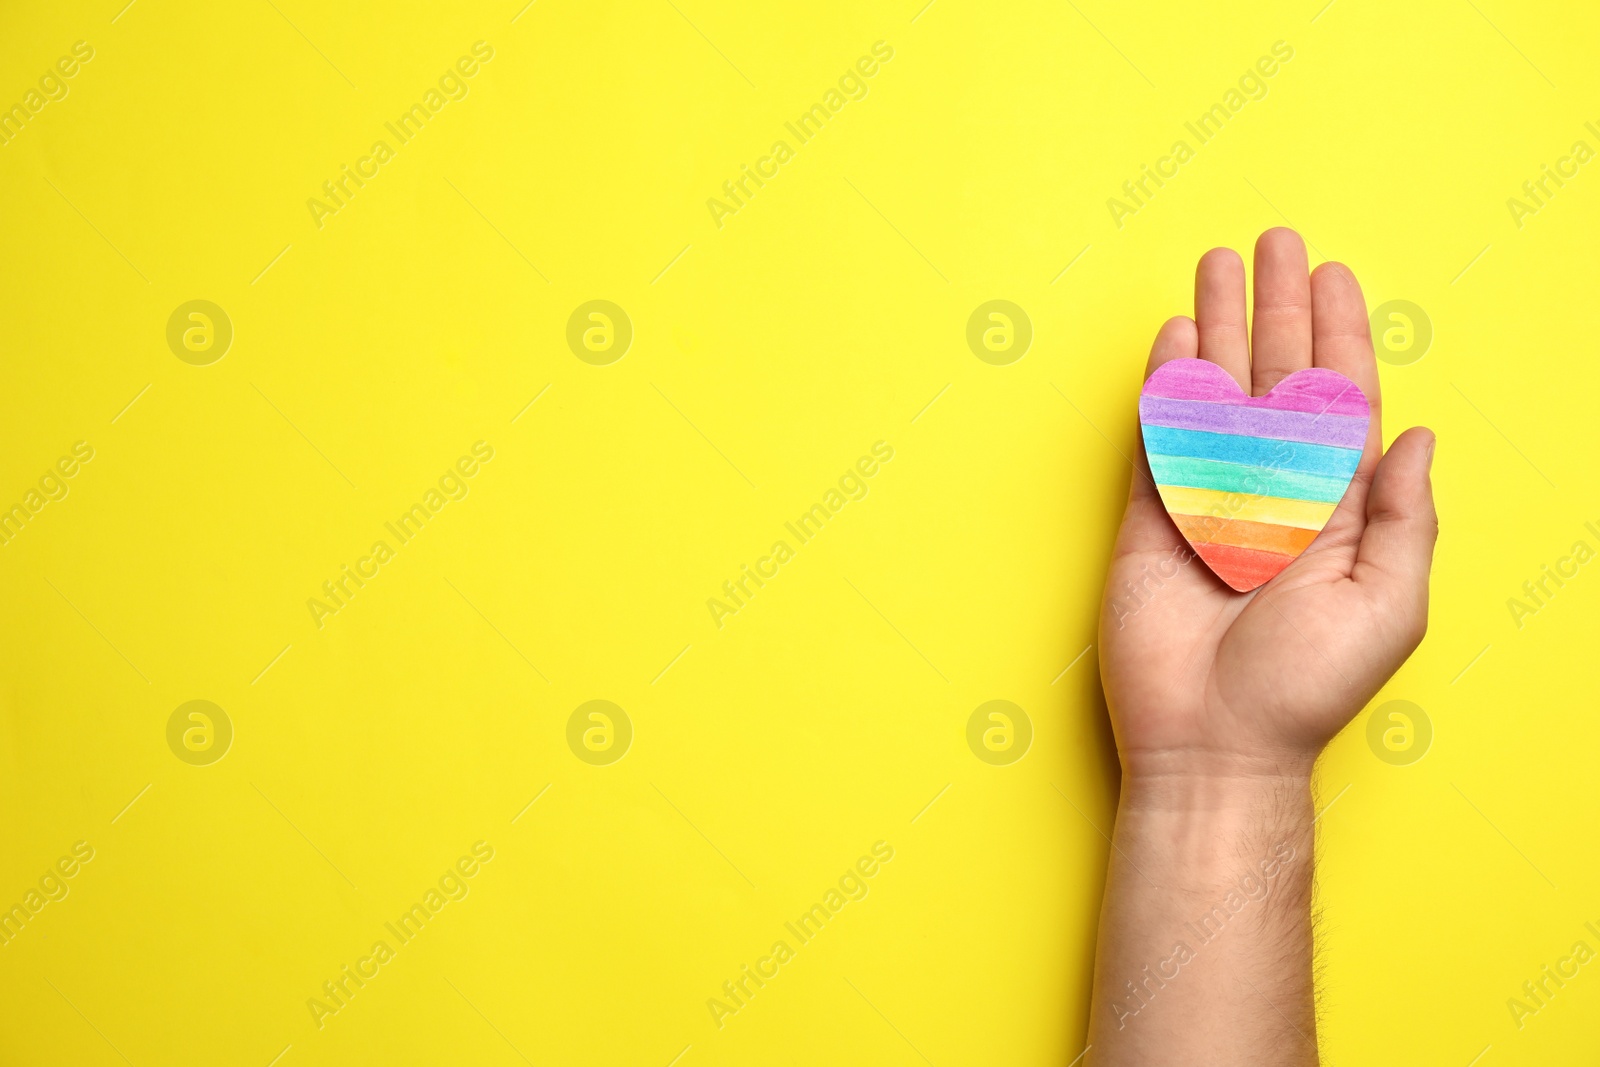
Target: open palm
(1200,677)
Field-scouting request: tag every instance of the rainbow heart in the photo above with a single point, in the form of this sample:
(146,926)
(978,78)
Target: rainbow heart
(1251,480)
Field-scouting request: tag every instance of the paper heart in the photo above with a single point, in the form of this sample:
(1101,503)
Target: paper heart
(1251,480)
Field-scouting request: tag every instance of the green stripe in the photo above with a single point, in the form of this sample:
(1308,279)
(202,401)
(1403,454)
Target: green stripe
(1239,478)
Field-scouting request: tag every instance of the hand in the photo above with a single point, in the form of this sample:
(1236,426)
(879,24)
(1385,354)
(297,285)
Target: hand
(1204,681)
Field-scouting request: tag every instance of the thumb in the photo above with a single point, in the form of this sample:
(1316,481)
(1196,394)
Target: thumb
(1396,549)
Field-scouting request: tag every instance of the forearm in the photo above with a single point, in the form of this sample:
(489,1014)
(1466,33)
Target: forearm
(1205,933)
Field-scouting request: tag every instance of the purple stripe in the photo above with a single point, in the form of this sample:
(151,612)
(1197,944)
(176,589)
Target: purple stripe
(1315,389)
(1337,430)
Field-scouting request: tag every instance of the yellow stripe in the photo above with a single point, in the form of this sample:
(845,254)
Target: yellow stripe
(1305,514)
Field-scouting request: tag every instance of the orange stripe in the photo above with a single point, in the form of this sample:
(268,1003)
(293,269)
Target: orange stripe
(1242,568)
(1242,533)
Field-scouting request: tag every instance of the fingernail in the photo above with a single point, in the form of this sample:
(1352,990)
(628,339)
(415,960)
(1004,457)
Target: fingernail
(1431,445)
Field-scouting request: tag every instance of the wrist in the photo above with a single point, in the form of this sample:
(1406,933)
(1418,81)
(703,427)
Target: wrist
(1208,777)
(1221,804)
(1194,833)
(1217,800)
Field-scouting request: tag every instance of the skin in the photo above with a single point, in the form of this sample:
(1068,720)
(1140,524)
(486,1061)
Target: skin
(1221,701)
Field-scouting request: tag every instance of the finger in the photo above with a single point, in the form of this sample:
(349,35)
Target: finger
(1219,313)
(1397,546)
(1342,341)
(1177,339)
(1280,338)
(1145,526)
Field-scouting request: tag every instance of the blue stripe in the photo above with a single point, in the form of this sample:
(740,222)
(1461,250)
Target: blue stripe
(1268,452)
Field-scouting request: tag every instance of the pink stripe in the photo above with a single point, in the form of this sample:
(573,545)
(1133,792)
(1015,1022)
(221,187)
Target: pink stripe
(1317,390)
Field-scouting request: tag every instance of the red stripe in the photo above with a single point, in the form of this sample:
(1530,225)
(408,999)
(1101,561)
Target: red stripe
(1243,568)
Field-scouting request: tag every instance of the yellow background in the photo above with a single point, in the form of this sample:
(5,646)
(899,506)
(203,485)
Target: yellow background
(769,354)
